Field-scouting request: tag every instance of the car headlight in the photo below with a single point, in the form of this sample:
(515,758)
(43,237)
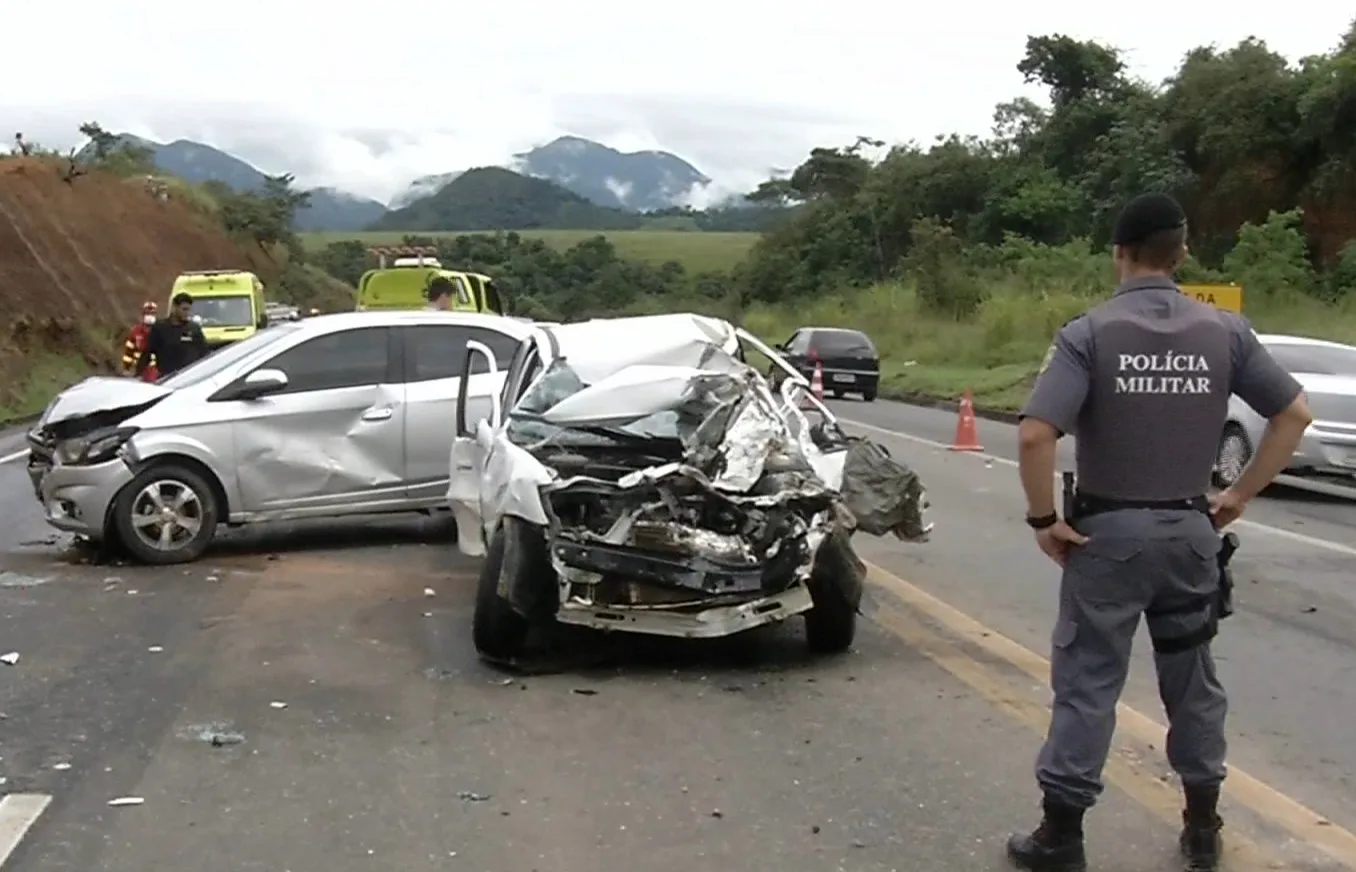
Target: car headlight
(93,447)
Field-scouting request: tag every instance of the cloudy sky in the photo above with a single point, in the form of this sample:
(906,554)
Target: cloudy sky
(367,96)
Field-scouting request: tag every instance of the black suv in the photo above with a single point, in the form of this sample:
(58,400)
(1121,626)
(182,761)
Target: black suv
(848,357)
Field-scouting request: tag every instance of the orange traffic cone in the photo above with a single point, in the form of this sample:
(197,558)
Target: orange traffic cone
(816,387)
(967,434)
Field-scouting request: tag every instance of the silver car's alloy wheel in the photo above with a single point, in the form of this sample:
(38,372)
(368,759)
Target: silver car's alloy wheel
(1233,456)
(167,515)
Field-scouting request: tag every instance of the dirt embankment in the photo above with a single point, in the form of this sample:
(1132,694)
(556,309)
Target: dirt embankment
(78,258)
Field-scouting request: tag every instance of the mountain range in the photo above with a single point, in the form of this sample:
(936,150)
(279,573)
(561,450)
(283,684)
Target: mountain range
(583,173)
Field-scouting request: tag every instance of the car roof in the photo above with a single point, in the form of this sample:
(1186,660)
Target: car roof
(320,324)
(1287,339)
(851,330)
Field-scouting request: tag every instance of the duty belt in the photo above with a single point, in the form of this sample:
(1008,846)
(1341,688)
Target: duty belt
(1086,504)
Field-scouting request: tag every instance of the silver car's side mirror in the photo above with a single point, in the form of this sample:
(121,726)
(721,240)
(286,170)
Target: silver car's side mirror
(264,381)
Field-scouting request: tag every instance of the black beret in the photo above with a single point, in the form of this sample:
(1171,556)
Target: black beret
(1145,215)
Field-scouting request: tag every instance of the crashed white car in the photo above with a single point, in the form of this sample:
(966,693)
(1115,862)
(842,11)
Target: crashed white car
(635,474)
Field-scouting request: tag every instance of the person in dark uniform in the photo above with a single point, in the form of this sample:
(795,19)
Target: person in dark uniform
(1143,382)
(176,341)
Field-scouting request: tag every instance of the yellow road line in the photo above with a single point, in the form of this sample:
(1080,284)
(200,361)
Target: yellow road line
(1122,769)
(1300,821)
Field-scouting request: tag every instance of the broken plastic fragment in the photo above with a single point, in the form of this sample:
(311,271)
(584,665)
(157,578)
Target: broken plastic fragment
(428,591)
(155,649)
(471,796)
(126,800)
(277,705)
(10,659)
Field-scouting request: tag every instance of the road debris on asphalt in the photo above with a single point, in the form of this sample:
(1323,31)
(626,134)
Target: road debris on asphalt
(155,649)
(277,705)
(17,579)
(10,659)
(126,800)
(472,796)
(218,735)
(428,591)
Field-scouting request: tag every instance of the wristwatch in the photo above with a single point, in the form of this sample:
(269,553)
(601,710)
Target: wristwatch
(1043,522)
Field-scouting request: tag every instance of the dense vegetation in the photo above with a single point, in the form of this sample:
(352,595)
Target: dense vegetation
(966,255)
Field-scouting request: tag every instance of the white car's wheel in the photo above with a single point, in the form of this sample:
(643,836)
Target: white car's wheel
(1234,453)
(167,514)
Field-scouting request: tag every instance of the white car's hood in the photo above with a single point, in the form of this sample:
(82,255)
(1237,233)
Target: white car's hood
(101,394)
(629,395)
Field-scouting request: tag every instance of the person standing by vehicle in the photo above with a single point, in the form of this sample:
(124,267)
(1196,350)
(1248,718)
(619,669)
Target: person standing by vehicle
(440,294)
(1143,382)
(176,341)
(136,341)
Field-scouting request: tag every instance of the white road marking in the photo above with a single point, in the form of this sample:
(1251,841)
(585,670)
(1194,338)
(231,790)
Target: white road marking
(18,812)
(1243,523)
(10,458)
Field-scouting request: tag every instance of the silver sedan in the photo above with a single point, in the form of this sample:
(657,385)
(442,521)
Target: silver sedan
(1327,370)
(342,414)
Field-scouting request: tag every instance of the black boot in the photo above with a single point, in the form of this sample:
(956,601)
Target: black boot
(1056,845)
(1201,824)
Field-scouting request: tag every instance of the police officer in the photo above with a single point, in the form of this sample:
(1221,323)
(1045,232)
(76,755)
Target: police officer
(1142,381)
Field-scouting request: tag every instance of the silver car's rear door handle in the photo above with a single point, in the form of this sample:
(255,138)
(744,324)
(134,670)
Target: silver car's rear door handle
(381,414)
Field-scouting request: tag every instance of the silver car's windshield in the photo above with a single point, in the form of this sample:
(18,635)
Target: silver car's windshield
(1315,359)
(209,366)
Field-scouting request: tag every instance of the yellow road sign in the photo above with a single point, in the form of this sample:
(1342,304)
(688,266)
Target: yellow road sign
(1224,296)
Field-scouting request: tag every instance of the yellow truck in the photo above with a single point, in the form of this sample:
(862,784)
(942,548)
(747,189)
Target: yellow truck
(228,304)
(404,284)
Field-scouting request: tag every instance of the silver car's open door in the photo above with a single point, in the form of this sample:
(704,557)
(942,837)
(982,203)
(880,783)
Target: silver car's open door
(470,448)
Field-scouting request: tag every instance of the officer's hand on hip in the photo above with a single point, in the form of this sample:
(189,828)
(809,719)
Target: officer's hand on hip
(1056,539)
(1225,508)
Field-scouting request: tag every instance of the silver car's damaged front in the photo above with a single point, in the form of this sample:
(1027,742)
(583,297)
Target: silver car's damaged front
(682,498)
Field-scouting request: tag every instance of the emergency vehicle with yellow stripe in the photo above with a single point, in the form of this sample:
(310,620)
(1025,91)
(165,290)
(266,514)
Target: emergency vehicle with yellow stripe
(403,284)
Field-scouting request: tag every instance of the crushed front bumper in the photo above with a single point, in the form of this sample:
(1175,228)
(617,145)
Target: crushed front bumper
(711,623)
(76,499)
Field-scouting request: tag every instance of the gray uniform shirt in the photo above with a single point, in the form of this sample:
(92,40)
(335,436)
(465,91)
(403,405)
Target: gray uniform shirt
(1143,382)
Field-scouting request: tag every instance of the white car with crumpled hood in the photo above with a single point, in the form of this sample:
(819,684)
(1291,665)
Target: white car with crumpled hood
(636,474)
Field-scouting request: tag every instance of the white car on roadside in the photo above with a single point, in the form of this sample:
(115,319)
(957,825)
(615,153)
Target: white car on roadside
(635,474)
(1327,370)
(329,416)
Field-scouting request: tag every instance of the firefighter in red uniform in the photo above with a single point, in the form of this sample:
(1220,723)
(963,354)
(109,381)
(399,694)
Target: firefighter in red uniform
(136,343)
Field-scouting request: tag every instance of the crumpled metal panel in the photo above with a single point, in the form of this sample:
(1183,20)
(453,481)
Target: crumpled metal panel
(101,394)
(884,495)
(286,457)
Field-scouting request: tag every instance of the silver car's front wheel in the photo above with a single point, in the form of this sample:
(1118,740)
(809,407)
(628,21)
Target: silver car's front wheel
(168,514)
(1234,454)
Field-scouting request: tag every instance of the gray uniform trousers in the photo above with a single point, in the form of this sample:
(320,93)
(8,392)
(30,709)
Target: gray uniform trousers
(1134,560)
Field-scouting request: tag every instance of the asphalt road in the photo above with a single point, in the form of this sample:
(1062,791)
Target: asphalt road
(356,730)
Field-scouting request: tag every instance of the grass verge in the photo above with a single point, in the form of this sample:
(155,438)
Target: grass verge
(46,375)
(697,251)
(997,353)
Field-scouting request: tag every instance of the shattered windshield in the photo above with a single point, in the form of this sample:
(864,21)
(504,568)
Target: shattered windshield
(704,405)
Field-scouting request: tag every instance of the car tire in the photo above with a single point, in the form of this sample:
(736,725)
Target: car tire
(498,630)
(868,396)
(1233,454)
(836,589)
(189,507)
